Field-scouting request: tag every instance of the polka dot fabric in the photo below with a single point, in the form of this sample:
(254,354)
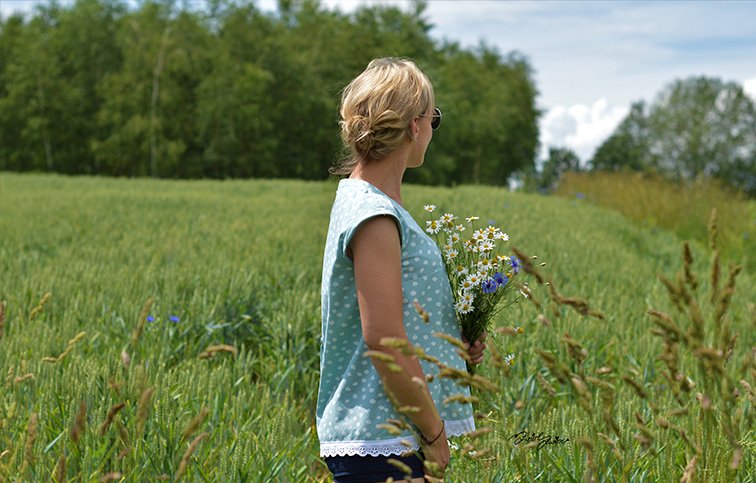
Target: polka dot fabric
(351,399)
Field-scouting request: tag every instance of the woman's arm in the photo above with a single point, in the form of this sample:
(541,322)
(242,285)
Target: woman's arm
(376,249)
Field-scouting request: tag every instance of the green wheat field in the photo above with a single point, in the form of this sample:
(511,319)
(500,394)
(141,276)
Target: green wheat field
(161,330)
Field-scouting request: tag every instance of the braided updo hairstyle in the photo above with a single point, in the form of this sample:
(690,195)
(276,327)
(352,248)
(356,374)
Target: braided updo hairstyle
(377,108)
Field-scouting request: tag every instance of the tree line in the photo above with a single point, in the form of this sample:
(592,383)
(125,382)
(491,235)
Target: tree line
(228,90)
(695,127)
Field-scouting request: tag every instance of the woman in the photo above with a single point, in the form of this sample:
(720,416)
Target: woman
(377,262)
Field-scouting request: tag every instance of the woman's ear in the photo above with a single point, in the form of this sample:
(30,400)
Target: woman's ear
(414,129)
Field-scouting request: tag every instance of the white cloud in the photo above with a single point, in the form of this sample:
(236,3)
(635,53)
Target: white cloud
(9,8)
(749,86)
(579,127)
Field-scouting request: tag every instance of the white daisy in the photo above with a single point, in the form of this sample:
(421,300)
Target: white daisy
(484,264)
(460,228)
(451,255)
(432,226)
(472,218)
(463,307)
(509,359)
(429,208)
(478,236)
(485,246)
(474,279)
(502,236)
(465,296)
(466,284)
(453,238)
(461,271)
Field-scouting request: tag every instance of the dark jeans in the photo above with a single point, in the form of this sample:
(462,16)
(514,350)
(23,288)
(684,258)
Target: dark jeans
(371,469)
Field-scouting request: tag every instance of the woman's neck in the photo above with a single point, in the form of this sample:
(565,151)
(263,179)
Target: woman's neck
(385,174)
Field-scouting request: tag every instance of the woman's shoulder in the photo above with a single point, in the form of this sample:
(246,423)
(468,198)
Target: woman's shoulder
(358,199)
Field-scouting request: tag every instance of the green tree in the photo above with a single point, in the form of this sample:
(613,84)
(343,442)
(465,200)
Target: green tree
(238,138)
(489,110)
(627,147)
(547,178)
(11,34)
(106,87)
(702,125)
(86,51)
(34,105)
(560,161)
(699,126)
(148,107)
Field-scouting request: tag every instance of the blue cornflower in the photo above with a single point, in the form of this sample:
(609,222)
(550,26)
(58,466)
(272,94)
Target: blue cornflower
(150,318)
(515,264)
(500,278)
(489,286)
(580,196)
(173,318)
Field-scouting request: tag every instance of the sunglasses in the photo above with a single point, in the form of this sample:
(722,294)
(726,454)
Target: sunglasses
(436,121)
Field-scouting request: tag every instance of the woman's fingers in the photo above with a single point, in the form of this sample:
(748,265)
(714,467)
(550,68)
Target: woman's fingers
(476,350)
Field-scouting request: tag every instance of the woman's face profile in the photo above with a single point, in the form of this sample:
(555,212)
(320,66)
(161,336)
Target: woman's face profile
(422,139)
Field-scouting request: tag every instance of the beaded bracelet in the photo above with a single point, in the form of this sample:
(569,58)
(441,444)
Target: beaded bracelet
(425,440)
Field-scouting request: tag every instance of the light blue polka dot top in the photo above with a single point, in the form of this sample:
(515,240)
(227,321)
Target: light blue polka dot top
(351,399)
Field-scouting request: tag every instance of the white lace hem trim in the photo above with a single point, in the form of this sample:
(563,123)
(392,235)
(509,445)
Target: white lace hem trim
(388,447)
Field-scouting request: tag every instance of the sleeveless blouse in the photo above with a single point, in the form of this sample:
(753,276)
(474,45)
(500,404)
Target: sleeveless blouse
(351,399)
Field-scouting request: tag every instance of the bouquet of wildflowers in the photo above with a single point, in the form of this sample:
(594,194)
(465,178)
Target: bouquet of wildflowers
(479,274)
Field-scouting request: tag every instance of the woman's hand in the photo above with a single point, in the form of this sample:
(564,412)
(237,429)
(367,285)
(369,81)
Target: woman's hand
(476,351)
(437,452)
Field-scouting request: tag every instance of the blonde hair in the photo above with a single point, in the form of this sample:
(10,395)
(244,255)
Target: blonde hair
(377,108)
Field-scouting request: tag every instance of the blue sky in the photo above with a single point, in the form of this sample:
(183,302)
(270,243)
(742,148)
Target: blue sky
(593,58)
